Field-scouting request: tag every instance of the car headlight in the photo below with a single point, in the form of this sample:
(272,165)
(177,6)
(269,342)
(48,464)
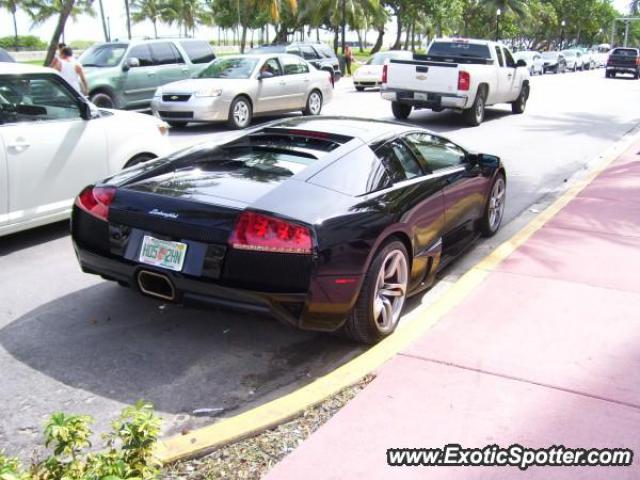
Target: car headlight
(163,128)
(208,92)
(158,92)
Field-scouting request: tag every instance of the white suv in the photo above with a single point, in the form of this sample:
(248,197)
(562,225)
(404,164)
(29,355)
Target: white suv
(53,142)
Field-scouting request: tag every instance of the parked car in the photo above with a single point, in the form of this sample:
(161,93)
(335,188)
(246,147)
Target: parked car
(461,74)
(623,60)
(269,221)
(53,142)
(237,88)
(573,58)
(533,59)
(317,54)
(588,58)
(126,74)
(5,56)
(370,74)
(554,62)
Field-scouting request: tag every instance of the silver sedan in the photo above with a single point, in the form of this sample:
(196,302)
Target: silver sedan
(237,88)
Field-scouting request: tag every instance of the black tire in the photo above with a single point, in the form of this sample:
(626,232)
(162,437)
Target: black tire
(362,325)
(487,227)
(360,89)
(475,115)
(141,158)
(175,124)
(520,104)
(241,118)
(314,103)
(103,100)
(401,110)
(607,74)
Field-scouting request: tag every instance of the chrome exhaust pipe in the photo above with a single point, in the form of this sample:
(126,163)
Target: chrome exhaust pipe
(156,285)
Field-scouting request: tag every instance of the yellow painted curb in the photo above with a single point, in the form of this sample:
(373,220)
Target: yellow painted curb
(417,322)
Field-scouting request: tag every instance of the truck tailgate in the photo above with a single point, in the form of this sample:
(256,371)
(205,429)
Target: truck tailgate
(422,76)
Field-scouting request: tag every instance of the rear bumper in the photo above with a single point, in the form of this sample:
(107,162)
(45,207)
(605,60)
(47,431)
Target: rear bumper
(622,69)
(435,100)
(255,283)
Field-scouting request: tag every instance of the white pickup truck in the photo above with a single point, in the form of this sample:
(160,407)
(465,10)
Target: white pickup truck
(465,75)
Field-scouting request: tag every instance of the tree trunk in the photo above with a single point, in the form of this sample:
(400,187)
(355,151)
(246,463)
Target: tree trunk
(67,6)
(281,35)
(344,25)
(335,39)
(413,36)
(155,27)
(104,22)
(407,37)
(378,45)
(126,9)
(318,35)
(360,40)
(398,44)
(15,28)
(243,39)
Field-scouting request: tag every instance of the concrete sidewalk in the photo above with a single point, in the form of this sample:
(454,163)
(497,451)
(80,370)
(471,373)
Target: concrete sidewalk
(546,351)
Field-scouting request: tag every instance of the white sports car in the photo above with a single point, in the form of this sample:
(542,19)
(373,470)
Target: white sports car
(53,142)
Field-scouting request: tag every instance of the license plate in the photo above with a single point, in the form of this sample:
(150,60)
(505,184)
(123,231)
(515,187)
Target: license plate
(162,253)
(420,96)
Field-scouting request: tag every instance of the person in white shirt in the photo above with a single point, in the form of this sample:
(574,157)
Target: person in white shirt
(71,71)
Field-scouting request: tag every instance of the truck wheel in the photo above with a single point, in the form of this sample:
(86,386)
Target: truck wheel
(475,115)
(400,110)
(521,102)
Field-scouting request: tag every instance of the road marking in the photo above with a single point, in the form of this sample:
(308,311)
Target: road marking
(417,322)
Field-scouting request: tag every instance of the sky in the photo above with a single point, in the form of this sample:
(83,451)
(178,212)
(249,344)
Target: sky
(88,28)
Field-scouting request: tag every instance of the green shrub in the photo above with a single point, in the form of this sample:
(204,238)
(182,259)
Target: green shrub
(81,44)
(26,42)
(128,454)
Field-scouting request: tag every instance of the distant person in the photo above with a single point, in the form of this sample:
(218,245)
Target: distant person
(58,54)
(72,71)
(348,58)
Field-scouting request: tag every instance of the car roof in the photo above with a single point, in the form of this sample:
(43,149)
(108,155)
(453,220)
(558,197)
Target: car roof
(24,68)
(364,129)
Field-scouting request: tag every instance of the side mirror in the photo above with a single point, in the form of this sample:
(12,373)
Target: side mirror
(483,160)
(85,111)
(132,62)
(521,63)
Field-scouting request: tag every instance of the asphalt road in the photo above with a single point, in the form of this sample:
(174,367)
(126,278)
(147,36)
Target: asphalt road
(72,342)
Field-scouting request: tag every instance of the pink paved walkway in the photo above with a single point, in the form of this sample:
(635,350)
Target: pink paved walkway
(546,351)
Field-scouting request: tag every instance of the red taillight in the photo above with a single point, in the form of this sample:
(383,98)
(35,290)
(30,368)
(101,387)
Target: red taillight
(384,73)
(96,200)
(464,80)
(638,61)
(263,233)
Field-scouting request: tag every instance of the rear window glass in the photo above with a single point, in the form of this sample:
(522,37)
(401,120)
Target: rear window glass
(459,49)
(626,52)
(198,52)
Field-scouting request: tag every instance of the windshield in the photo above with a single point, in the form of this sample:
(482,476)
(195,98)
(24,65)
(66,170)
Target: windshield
(627,52)
(103,55)
(459,49)
(569,53)
(549,55)
(234,67)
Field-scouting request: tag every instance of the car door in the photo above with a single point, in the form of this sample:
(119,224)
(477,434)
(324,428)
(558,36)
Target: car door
(418,195)
(465,189)
(140,80)
(499,94)
(170,64)
(537,62)
(51,152)
(4,186)
(297,79)
(514,77)
(272,90)
(310,55)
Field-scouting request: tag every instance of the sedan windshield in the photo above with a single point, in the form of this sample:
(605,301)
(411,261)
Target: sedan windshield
(235,67)
(550,55)
(103,55)
(569,53)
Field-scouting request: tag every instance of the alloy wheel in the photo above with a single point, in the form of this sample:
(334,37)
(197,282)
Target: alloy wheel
(241,113)
(315,103)
(496,203)
(391,289)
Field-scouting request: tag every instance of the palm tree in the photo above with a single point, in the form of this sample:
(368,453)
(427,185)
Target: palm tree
(185,13)
(147,10)
(12,7)
(517,7)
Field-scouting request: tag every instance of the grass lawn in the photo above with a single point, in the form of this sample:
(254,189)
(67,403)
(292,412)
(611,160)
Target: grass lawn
(34,62)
